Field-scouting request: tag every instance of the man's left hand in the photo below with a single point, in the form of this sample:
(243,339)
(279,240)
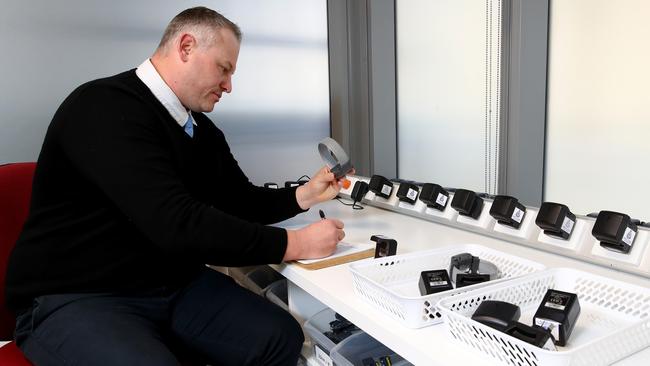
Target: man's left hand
(323,186)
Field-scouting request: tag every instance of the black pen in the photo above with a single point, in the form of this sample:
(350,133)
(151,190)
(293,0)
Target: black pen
(322,214)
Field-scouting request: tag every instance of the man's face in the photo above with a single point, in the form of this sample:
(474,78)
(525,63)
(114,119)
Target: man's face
(209,72)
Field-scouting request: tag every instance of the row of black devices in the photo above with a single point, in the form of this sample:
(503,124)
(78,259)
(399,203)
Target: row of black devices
(615,231)
(553,322)
(464,270)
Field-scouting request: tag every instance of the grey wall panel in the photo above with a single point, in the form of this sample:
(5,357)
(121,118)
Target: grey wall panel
(362,82)
(523,123)
(383,88)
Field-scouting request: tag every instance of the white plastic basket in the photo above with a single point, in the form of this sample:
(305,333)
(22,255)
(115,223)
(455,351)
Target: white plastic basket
(391,283)
(613,321)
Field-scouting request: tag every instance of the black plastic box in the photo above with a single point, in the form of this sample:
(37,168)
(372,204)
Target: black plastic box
(380,186)
(434,196)
(615,231)
(408,192)
(556,220)
(467,203)
(508,211)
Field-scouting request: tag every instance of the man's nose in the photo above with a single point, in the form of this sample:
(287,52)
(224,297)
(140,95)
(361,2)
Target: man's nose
(226,85)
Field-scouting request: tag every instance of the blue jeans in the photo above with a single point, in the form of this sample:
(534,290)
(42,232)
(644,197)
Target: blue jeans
(212,319)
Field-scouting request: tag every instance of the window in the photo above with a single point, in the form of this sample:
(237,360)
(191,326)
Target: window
(598,113)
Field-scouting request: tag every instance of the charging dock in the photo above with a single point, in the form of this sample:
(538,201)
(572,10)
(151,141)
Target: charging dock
(418,206)
(484,221)
(633,257)
(448,213)
(390,201)
(577,235)
(524,231)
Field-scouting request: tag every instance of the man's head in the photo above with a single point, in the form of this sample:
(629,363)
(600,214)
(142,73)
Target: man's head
(197,57)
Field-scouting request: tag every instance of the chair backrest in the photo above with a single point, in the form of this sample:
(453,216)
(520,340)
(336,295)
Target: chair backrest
(15,194)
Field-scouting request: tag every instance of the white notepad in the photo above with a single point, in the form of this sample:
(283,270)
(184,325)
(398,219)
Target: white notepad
(342,249)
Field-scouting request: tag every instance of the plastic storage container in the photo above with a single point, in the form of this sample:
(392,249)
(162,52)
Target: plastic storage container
(277,293)
(239,273)
(317,325)
(354,349)
(260,279)
(391,283)
(613,322)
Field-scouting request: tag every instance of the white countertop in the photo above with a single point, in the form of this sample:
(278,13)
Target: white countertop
(430,345)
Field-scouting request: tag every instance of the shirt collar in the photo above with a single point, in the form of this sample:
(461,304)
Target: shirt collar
(152,79)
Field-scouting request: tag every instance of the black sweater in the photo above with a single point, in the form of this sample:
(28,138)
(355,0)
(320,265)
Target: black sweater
(123,200)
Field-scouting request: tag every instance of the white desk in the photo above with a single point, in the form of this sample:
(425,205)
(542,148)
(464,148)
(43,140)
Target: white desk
(427,346)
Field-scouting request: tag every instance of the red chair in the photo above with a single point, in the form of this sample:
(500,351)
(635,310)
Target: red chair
(15,193)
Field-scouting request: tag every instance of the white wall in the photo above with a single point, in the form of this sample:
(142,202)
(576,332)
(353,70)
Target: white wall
(279,108)
(598,117)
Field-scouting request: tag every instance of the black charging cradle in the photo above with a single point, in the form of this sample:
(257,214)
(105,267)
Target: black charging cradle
(467,203)
(508,211)
(556,220)
(380,186)
(537,336)
(558,312)
(466,270)
(384,247)
(359,191)
(615,231)
(408,192)
(496,314)
(434,196)
(435,281)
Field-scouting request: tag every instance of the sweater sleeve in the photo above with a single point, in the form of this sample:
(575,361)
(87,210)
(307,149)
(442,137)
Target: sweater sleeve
(127,158)
(250,202)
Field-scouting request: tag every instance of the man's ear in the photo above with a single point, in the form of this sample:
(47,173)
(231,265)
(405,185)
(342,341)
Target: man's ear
(186,45)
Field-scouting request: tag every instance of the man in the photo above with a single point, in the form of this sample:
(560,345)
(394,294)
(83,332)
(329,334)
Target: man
(135,189)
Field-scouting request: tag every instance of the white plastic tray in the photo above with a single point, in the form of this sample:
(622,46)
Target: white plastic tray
(613,322)
(391,283)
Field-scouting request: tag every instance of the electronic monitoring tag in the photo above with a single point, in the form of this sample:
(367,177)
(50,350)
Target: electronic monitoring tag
(335,157)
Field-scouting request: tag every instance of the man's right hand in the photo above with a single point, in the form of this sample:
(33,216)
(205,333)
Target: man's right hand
(317,240)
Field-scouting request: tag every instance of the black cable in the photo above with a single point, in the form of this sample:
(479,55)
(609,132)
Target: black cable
(353,204)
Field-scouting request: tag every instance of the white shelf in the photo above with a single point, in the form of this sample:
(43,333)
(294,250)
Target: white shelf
(484,221)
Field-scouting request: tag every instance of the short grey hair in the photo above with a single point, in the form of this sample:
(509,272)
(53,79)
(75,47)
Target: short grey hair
(201,22)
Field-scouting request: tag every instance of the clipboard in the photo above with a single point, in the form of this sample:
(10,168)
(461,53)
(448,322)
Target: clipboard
(344,253)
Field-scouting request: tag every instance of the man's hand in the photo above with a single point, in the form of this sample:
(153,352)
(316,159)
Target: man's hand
(317,240)
(322,187)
